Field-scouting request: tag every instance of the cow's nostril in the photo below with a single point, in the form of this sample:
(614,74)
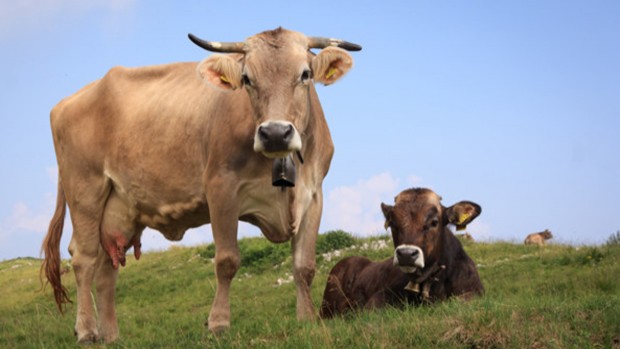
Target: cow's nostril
(415,253)
(263,133)
(288,133)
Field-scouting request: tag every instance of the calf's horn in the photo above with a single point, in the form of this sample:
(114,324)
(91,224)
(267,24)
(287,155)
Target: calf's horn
(319,42)
(215,46)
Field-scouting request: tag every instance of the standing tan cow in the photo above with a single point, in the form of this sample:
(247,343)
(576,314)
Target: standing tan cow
(538,238)
(177,146)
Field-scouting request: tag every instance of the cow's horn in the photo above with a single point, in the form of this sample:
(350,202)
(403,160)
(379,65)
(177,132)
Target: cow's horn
(318,42)
(214,46)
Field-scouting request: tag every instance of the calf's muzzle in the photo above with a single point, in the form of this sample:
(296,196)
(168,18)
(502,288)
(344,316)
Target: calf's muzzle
(409,258)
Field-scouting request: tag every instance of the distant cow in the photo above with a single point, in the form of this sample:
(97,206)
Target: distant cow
(538,238)
(465,236)
(177,146)
(429,262)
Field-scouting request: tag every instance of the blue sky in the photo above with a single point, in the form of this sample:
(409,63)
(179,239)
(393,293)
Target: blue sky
(514,104)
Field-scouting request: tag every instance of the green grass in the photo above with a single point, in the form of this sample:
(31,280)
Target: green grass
(553,297)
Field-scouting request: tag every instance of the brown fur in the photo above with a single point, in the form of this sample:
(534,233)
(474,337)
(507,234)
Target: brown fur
(417,219)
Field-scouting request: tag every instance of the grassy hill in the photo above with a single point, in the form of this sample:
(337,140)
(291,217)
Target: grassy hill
(552,297)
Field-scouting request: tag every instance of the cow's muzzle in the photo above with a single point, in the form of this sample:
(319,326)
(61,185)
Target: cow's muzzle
(408,258)
(276,139)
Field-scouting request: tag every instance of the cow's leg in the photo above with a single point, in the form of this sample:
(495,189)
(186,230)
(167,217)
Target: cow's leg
(304,259)
(105,281)
(227,260)
(86,197)
(84,248)
(118,233)
(304,263)
(334,298)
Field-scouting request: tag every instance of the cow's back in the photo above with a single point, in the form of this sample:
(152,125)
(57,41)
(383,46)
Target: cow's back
(534,239)
(145,109)
(149,131)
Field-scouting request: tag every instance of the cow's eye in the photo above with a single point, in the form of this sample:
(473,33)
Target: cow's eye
(434,223)
(246,80)
(306,75)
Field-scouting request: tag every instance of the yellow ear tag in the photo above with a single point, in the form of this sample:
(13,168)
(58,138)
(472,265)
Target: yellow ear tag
(330,73)
(463,217)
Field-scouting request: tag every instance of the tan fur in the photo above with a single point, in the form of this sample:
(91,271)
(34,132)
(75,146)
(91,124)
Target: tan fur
(157,147)
(222,71)
(538,238)
(331,58)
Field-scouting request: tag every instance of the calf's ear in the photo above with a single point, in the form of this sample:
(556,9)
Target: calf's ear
(462,213)
(222,71)
(330,65)
(387,213)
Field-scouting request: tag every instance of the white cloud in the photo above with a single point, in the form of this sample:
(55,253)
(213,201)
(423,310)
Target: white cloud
(52,174)
(356,208)
(24,218)
(33,220)
(27,221)
(25,224)
(414,181)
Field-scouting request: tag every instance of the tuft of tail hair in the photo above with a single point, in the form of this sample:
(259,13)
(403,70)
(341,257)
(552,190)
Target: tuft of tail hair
(51,249)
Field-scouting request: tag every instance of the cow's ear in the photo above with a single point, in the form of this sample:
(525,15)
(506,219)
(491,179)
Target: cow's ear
(330,65)
(221,70)
(462,213)
(387,213)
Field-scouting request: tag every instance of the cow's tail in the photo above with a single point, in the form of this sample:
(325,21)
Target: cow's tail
(51,250)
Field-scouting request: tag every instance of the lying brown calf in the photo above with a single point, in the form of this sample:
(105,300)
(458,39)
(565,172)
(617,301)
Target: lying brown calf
(429,262)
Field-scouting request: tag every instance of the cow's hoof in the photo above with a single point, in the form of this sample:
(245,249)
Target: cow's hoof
(218,327)
(218,330)
(88,338)
(107,339)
